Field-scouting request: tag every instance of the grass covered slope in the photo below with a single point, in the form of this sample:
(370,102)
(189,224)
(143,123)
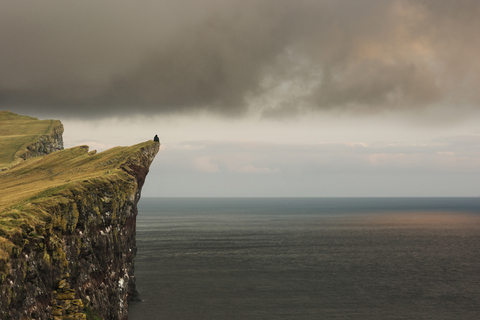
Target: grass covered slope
(30,189)
(17,133)
(67,222)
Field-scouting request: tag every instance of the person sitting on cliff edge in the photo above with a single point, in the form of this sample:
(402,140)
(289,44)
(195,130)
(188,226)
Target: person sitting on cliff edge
(156,139)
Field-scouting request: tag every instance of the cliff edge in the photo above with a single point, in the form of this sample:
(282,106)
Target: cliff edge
(67,232)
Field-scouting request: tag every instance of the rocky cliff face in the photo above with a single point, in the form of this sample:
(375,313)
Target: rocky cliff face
(77,261)
(23,137)
(45,144)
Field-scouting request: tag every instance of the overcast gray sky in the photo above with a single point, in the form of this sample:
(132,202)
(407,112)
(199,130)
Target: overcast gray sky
(259,97)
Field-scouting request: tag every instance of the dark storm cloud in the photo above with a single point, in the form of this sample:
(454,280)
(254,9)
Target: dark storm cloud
(102,58)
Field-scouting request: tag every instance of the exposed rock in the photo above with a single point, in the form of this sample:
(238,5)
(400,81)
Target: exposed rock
(23,137)
(78,260)
(45,144)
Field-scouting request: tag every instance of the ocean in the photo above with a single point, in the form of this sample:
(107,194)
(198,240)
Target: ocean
(307,258)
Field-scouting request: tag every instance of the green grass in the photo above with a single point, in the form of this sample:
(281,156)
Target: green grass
(33,186)
(17,132)
(91,314)
(41,178)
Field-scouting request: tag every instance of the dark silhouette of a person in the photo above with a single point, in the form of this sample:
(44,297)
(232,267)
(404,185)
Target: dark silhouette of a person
(156,139)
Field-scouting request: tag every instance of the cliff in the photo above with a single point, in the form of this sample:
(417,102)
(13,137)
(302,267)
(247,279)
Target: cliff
(23,137)
(67,232)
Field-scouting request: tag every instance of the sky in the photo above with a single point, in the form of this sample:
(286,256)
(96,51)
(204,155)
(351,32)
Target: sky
(259,98)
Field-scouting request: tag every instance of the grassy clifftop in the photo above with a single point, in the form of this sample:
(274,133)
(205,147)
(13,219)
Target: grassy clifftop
(17,133)
(33,186)
(29,189)
(67,223)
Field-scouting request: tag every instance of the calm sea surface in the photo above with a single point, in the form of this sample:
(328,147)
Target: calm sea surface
(308,258)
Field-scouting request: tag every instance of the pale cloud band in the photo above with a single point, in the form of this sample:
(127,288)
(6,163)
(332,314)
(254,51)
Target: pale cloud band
(455,154)
(443,167)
